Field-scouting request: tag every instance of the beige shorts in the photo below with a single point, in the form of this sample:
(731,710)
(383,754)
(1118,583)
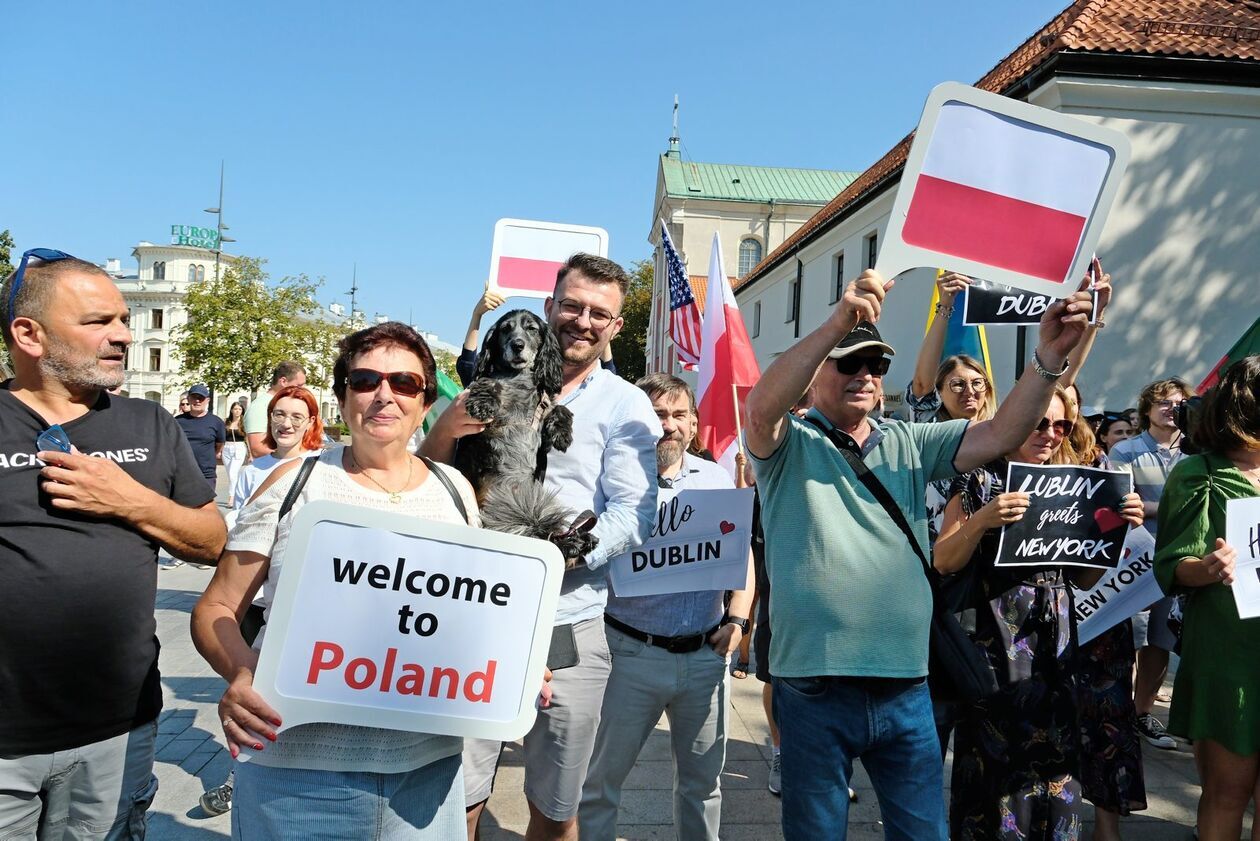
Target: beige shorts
(558,748)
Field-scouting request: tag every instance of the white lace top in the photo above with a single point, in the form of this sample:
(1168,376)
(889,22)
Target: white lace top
(341,747)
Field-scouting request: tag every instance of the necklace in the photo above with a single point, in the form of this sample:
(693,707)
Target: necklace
(395,497)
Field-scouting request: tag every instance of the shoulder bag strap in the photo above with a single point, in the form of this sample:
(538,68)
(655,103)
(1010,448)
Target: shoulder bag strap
(448,484)
(881,494)
(299,482)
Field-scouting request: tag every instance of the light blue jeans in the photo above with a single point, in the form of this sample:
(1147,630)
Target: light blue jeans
(827,722)
(426,804)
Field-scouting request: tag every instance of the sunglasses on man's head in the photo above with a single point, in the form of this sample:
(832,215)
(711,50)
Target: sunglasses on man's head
(1062,428)
(851,365)
(405,383)
(44,255)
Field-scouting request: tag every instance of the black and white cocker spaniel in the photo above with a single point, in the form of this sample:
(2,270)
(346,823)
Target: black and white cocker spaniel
(515,386)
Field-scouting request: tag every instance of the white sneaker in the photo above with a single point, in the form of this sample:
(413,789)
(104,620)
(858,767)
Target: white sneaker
(776,776)
(217,800)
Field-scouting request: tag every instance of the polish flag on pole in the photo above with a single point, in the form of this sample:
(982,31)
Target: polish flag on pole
(728,367)
(1005,193)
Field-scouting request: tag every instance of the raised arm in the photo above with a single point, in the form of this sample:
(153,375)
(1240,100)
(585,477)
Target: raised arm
(1062,326)
(786,379)
(1102,297)
(948,286)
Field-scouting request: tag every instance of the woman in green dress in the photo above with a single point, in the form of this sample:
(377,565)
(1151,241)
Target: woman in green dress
(1216,699)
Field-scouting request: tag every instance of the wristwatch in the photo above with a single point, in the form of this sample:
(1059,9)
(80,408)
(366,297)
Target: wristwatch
(738,622)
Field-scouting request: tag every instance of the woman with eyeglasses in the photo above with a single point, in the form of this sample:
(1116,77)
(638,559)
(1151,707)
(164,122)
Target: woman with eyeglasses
(1016,753)
(329,780)
(294,430)
(1216,697)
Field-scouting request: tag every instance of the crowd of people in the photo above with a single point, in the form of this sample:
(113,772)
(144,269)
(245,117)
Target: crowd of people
(865,529)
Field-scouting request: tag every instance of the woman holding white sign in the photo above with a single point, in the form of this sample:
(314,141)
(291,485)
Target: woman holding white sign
(328,780)
(1015,753)
(1216,698)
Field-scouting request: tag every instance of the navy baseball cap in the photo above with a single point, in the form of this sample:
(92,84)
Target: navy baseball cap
(199,390)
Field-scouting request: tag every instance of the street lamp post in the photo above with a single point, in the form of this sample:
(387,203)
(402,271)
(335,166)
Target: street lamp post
(220,227)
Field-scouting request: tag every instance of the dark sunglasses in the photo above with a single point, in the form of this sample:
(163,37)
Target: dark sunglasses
(1062,428)
(851,365)
(44,255)
(405,383)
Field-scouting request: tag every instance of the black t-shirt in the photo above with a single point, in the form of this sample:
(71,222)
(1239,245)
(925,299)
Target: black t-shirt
(203,433)
(78,644)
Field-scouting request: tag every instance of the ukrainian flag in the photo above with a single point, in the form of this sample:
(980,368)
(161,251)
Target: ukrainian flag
(959,337)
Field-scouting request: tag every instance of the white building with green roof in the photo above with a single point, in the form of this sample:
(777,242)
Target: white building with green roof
(753,208)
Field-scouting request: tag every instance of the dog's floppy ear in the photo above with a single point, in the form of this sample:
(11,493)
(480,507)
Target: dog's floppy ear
(489,347)
(548,364)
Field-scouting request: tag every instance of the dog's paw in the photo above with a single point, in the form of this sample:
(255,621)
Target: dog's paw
(558,429)
(482,402)
(577,541)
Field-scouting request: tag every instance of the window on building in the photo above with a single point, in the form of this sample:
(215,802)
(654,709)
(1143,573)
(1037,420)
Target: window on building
(159,270)
(756,319)
(872,250)
(192,273)
(749,255)
(201,272)
(791,300)
(155,319)
(155,396)
(155,359)
(837,277)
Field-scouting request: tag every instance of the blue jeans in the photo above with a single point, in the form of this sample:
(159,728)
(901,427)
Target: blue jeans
(284,803)
(827,722)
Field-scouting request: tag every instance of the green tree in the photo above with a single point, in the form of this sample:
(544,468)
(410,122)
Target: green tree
(6,253)
(446,363)
(629,348)
(240,327)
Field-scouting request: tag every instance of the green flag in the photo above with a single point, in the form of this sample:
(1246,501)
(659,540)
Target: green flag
(447,390)
(1245,346)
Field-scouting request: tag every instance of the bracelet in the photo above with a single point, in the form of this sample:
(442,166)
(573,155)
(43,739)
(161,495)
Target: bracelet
(1044,372)
(943,309)
(1099,324)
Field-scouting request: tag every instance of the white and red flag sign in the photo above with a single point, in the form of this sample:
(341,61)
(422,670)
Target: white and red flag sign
(526,255)
(728,366)
(1004,190)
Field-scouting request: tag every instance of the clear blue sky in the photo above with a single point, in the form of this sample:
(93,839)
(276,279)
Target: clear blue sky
(395,134)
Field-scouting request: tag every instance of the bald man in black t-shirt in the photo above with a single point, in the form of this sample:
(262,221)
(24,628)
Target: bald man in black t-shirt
(79,686)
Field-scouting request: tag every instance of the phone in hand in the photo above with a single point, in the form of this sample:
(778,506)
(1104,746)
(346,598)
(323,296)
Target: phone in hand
(53,439)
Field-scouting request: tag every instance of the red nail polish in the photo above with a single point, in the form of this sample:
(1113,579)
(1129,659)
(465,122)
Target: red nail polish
(276,722)
(258,746)
(271,736)
(232,750)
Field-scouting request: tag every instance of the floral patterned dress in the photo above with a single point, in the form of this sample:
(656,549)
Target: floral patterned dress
(1016,753)
(1111,755)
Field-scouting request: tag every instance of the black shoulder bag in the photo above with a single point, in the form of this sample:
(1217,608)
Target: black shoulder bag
(957,669)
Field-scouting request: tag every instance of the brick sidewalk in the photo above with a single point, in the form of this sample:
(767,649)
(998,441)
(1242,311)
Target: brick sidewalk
(190,758)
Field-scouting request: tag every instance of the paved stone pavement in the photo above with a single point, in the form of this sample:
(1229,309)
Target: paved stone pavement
(190,758)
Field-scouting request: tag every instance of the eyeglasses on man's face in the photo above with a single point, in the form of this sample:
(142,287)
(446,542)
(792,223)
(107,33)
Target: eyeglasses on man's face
(958,385)
(296,421)
(43,255)
(571,310)
(1168,405)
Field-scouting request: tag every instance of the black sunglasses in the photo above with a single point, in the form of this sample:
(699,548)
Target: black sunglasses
(1062,428)
(405,383)
(851,365)
(44,255)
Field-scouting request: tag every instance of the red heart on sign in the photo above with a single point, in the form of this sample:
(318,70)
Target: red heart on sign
(726,527)
(1108,520)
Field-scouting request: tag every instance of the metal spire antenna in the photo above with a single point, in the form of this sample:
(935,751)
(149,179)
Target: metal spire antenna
(220,227)
(674,138)
(354,288)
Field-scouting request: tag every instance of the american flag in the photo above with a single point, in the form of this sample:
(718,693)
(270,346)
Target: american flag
(684,315)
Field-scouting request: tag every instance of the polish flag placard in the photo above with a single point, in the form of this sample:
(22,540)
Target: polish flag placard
(526,255)
(1000,189)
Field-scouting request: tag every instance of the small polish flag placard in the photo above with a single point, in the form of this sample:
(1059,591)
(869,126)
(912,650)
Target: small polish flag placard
(526,255)
(1000,189)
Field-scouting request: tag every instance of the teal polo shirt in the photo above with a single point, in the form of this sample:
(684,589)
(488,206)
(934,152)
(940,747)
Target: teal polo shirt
(847,593)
